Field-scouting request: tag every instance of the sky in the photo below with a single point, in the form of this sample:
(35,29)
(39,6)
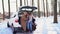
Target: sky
(13,5)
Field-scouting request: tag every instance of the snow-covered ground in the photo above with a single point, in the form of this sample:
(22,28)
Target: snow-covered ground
(45,25)
(4,29)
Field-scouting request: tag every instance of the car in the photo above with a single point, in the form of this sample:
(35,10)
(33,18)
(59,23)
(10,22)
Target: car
(14,23)
(15,17)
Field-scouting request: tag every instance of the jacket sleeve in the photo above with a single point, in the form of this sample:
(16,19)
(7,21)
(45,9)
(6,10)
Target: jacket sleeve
(33,20)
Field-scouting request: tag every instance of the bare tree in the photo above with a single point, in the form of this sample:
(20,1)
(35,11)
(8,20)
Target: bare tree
(59,7)
(3,10)
(38,8)
(20,2)
(52,7)
(32,2)
(55,11)
(16,5)
(44,7)
(59,10)
(24,2)
(47,7)
(9,7)
(27,2)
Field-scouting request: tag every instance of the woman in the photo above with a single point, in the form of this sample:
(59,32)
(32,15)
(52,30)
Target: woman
(23,20)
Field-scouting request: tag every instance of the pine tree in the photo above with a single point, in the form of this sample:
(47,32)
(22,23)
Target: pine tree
(58,1)
(27,2)
(55,11)
(47,7)
(20,2)
(16,5)
(9,7)
(3,10)
(38,8)
(24,2)
(32,2)
(44,7)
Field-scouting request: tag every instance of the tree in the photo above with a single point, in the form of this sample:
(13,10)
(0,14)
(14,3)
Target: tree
(32,2)
(27,2)
(59,7)
(3,9)
(55,11)
(59,10)
(20,2)
(9,7)
(44,7)
(52,7)
(38,9)
(16,5)
(24,2)
(47,7)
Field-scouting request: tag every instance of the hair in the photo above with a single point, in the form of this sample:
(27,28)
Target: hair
(29,13)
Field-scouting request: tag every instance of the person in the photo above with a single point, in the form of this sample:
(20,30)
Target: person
(27,18)
(23,20)
(29,21)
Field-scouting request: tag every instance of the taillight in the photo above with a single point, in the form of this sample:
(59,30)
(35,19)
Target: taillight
(16,21)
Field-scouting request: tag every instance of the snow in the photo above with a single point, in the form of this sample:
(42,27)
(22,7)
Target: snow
(4,29)
(45,25)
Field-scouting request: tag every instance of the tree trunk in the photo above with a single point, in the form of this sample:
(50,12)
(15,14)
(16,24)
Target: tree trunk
(24,2)
(47,7)
(20,2)
(38,9)
(3,9)
(55,11)
(27,2)
(16,5)
(52,4)
(44,7)
(59,9)
(59,12)
(32,2)
(9,7)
